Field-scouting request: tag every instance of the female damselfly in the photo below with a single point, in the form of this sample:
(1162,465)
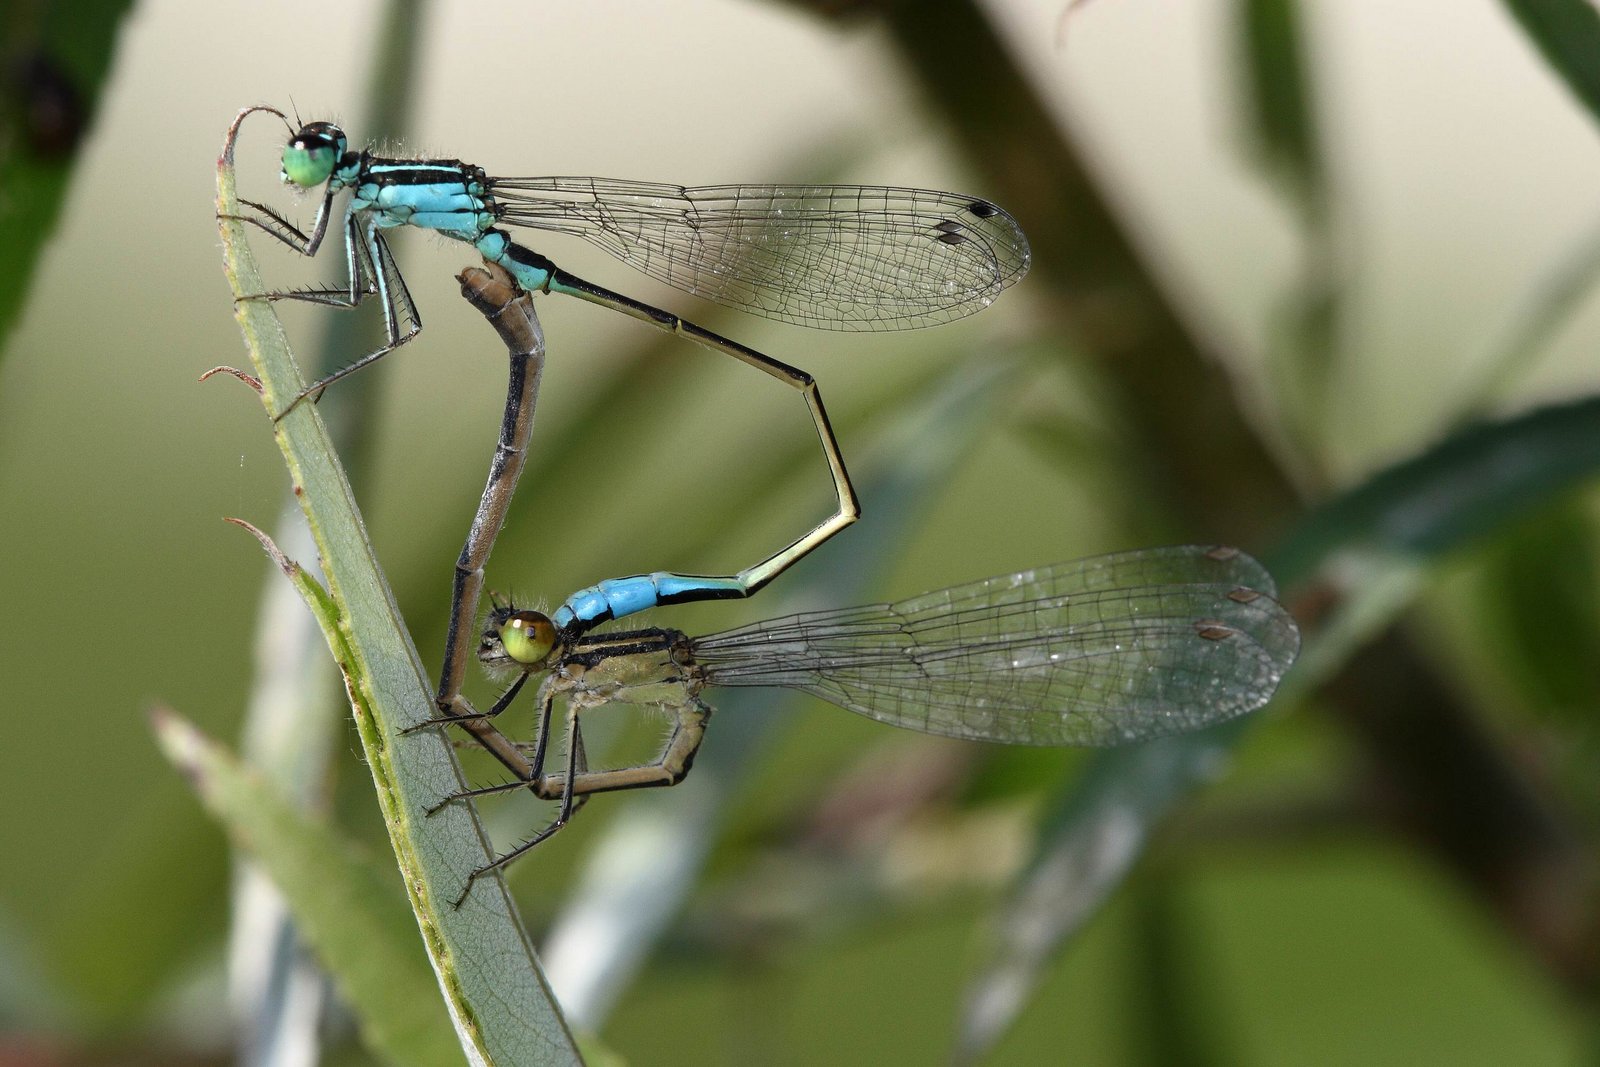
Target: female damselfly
(1096,652)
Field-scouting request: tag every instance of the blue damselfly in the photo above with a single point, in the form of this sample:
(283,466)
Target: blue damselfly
(845,257)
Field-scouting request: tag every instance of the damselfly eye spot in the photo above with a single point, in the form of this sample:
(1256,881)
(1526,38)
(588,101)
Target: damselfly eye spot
(528,636)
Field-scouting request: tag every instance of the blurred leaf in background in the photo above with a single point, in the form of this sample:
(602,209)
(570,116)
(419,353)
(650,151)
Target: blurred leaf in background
(53,62)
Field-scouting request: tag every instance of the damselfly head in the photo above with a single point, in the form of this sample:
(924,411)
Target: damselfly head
(312,153)
(515,637)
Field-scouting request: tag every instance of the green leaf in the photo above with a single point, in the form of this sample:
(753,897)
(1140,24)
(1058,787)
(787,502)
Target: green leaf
(1567,34)
(1278,91)
(1466,488)
(349,911)
(294,716)
(1541,594)
(496,995)
(1534,621)
(53,63)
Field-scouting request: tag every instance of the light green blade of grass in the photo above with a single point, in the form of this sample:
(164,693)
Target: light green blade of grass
(345,905)
(481,955)
(1373,545)
(292,725)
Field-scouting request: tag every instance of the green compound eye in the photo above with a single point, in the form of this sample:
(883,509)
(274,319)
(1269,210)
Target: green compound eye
(528,636)
(309,159)
(307,167)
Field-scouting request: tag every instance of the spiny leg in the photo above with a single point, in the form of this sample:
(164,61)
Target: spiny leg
(394,298)
(360,272)
(457,719)
(667,769)
(526,778)
(574,748)
(370,271)
(281,229)
(275,225)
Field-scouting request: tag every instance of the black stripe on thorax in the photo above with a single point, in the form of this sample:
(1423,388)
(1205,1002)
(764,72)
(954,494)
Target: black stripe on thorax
(590,651)
(421,171)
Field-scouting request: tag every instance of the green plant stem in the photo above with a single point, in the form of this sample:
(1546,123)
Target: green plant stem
(498,1000)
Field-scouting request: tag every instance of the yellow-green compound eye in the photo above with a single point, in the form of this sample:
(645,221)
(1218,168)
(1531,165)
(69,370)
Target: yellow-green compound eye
(528,636)
(307,163)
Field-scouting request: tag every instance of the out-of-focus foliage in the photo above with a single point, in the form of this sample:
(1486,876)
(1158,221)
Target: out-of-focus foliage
(53,63)
(1246,300)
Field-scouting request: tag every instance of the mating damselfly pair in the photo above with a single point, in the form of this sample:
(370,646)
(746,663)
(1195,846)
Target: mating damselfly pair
(1096,652)
(845,257)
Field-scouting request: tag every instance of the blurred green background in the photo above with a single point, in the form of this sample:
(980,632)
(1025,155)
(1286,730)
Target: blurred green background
(1279,247)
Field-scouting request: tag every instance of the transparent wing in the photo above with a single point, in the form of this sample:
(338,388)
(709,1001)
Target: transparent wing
(842,257)
(1094,652)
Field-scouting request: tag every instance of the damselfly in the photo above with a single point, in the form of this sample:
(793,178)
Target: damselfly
(845,257)
(1101,651)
